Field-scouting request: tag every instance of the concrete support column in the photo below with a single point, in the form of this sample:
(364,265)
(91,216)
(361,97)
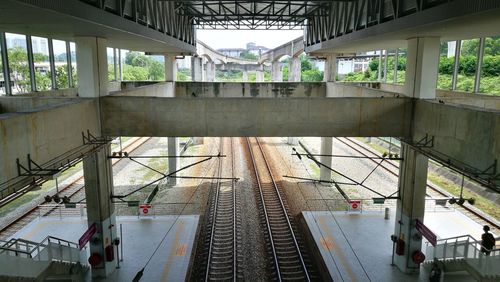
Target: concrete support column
(98,177)
(411,206)
(330,73)
(326,149)
(92,66)
(198,140)
(259,76)
(294,69)
(210,71)
(173,163)
(245,76)
(170,68)
(422,67)
(294,141)
(196,69)
(276,72)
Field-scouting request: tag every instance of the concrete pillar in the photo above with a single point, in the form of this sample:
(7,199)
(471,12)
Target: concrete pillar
(173,163)
(276,72)
(98,175)
(294,69)
(92,66)
(259,76)
(326,149)
(411,206)
(422,67)
(245,76)
(330,73)
(294,141)
(210,71)
(198,140)
(196,69)
(170,68)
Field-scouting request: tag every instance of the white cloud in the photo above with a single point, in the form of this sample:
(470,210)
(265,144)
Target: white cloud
(239,38)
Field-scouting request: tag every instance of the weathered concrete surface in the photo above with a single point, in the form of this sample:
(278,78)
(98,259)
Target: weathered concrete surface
(14,104)
(256,90)
(44,134)
(460,132)
(471,99)
(146,88)
(338,89)
(154,116)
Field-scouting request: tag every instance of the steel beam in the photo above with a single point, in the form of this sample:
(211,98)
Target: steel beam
(5,64)
(395,75)
(479,64)
(456,65)
(53,77)
(31,63)
(70,65)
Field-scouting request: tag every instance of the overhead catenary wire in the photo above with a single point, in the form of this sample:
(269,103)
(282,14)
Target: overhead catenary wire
(140,273)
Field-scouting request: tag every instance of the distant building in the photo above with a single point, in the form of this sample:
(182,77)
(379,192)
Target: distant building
(40,45)
(251,47)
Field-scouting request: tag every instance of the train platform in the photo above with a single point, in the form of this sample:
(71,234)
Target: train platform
(140,238)
(357,246)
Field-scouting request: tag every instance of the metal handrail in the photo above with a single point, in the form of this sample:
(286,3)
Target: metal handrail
(462,240)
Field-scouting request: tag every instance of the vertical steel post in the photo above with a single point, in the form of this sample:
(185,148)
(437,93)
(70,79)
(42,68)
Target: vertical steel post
(5,64)
(115,65)
(70,65)
(120,70)
(456,66)
(395,76)
(479,64)
(52,63)
(379,69)
(385,64)
(31,62)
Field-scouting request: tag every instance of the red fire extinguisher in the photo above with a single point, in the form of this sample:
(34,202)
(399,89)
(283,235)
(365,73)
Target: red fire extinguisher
(418,257)
(110,254)
(400,247)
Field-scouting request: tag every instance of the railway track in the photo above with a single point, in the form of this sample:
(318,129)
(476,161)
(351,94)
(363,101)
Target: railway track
(74,188)
(431,189)
(223,250)
(288,260)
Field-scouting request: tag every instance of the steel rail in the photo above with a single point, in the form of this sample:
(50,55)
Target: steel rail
(282,209)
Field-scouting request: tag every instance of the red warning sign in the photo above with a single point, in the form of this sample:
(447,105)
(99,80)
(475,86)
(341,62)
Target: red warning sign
(145,209)
(355,205)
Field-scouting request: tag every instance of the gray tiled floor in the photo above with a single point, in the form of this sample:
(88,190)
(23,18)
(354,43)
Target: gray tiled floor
(140,238)
(358,246)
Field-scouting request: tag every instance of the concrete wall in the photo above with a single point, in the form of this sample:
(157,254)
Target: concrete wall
(258,90)
(153,116)
(462,133)
(341,89)
(13,104)
(44,134)
(149,88)
(67,92)
(471,99)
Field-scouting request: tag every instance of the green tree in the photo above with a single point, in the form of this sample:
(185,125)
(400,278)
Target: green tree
(248,55)
(19,70)
(156,70)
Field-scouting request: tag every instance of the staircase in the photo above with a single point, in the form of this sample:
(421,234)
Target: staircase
(53,259)
(462,253)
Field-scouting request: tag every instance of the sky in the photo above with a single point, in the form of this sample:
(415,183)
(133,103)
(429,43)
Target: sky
(218,39)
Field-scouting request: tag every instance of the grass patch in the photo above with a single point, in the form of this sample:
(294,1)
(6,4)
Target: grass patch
(487,206)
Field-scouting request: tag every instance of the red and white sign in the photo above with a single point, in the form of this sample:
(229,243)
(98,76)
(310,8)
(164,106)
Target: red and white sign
(426,232)
(355,205)
(146,209)
(87,235)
